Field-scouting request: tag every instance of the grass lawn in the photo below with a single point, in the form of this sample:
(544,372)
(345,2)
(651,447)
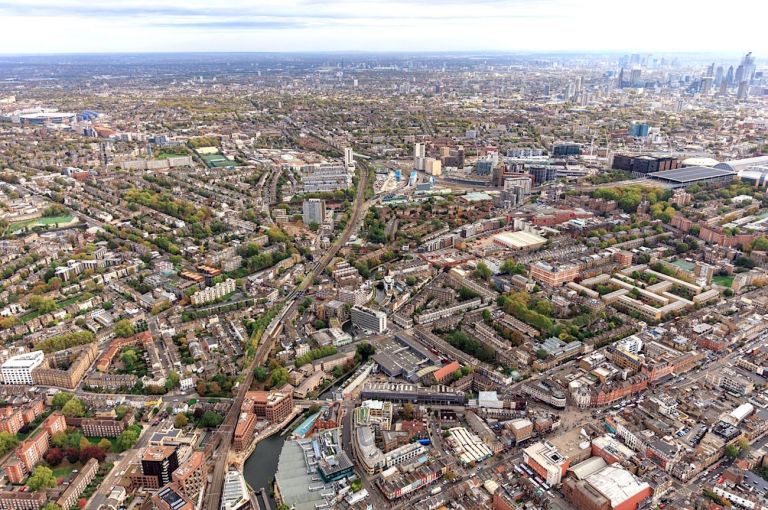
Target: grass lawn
(29,316)
(64,469)
(113,440)
(166,155)
(52,220)
(723,280)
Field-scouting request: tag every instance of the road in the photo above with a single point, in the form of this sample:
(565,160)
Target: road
(121,466)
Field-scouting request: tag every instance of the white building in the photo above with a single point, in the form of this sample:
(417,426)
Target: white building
(18,369)
(545,460)
(325,177)
(365,318)
(349,157)
(404,454)
(210,294)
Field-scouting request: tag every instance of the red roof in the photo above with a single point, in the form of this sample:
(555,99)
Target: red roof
(447,370)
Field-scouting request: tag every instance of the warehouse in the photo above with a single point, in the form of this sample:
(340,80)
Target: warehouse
(702,175)
(519,240)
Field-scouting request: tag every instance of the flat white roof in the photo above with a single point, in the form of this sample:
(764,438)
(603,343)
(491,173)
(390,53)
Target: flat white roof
(27,360)
(616,484)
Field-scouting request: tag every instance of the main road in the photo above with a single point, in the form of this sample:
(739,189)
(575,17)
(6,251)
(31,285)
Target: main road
(226,430)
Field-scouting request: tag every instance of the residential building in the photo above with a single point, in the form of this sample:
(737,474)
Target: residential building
(73,491)
(190,476)
(313,211)
(171,498)
(214,293)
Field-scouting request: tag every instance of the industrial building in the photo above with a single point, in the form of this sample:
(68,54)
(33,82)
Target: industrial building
(701,175)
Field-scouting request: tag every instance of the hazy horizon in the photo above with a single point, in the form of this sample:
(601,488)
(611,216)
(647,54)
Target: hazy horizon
(44,27)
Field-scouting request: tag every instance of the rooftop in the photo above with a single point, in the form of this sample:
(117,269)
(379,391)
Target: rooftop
(690,174)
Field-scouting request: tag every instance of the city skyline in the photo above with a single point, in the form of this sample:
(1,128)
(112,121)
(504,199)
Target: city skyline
(75,26)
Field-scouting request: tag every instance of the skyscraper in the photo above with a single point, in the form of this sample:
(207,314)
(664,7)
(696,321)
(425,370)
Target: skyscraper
(729,76)
(743,93)
(748,65)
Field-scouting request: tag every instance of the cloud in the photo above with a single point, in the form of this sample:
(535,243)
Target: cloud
(380,25)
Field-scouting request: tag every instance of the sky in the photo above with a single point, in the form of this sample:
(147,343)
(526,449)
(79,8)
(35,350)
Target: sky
(95,26)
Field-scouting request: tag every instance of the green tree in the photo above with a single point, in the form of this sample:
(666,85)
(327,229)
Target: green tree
(511,267)
(278,377)
(483,272)
(124,328)
(732,451)
(42,304)
(260,373)
(51,506)
(127,439)
(105,444)
(8,442)
(180,421)
(211,419)
(41,478)
(173,380)
(129,358)
(364,351)
(73,409)
(61,398)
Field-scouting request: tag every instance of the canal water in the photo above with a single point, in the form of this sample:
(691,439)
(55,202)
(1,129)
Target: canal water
(260,468)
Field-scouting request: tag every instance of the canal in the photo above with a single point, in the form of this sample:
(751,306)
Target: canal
(261,466)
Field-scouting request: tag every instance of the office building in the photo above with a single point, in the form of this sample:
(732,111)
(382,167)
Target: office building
(564,149)
(244,430)
(542,173)
(642,164)
(235,495)
(313,211)
(638,130)
(159,462)
(18,369)
(743,91)
(273,406)
(367,319)
(545,460)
